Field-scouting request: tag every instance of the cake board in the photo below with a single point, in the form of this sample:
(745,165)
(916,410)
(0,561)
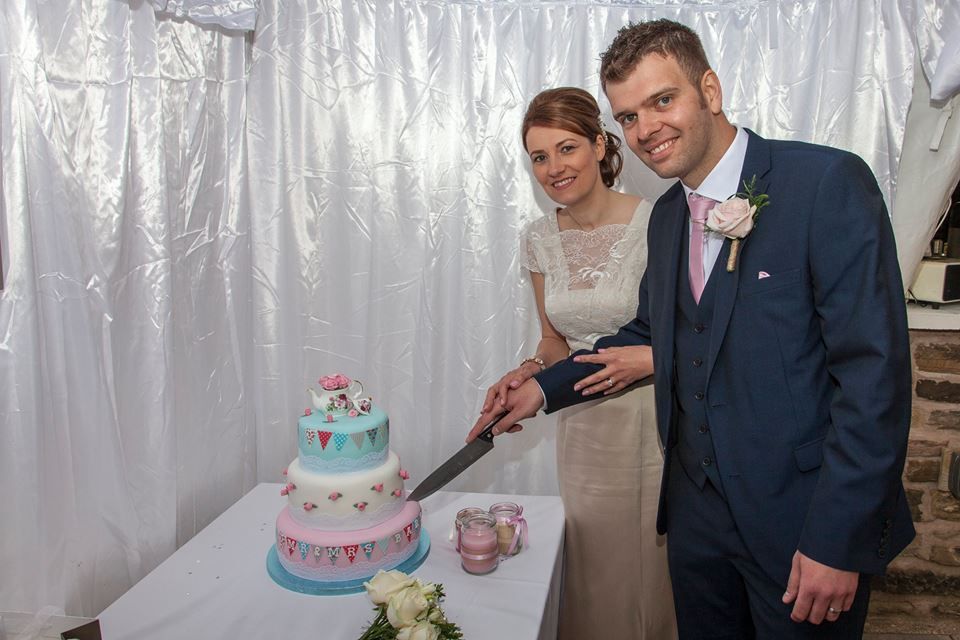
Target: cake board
(314,588)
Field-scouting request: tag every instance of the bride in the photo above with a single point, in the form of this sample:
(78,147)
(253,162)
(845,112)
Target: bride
(585,260)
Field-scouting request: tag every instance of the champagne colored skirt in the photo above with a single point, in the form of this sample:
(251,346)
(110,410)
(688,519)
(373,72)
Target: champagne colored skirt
(615,579)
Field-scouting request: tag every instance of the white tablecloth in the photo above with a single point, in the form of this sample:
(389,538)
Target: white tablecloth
(216,585)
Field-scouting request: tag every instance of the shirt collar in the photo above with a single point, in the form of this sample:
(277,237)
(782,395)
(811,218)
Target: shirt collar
(723,180)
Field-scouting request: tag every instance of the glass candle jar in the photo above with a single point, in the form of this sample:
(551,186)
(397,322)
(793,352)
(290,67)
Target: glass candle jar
(462,516)
(510,527)
(479,552)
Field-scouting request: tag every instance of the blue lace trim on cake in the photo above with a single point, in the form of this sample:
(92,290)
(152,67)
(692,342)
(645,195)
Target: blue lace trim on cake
(366,461)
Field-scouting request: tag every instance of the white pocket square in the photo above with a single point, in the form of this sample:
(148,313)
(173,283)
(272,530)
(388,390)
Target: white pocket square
(762,275)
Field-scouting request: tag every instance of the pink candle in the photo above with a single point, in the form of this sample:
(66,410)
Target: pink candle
(479,552)
(462,517)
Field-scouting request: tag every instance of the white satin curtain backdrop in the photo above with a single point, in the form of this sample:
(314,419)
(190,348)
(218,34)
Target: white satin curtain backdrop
(125,324)
(197,223)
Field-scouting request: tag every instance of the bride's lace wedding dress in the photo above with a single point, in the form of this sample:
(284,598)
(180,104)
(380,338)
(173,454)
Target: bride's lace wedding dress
(609,462)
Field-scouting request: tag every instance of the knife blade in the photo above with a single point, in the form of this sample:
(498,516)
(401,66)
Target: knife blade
(457,463)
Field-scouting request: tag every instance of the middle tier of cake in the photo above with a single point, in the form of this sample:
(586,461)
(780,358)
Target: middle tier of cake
(347,500)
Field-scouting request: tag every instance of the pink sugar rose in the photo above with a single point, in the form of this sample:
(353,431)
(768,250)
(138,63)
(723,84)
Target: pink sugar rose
(307,506)
(732,219)
(404,474)
(334,382)
(353,413)
(377,487)
(336,495)
(360,506)
(307,411)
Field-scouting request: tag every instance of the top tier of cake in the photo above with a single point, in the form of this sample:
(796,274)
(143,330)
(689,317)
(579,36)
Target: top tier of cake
(330,443)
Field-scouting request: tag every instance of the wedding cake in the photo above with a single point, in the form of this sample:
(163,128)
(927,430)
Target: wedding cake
(346,515)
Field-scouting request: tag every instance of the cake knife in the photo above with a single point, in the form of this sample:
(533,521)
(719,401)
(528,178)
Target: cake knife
(457,464)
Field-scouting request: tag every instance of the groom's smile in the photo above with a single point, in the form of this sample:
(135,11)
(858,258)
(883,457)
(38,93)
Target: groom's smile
(668,122)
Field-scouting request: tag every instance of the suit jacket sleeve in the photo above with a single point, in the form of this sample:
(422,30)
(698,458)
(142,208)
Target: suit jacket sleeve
(557,381)
(858,297)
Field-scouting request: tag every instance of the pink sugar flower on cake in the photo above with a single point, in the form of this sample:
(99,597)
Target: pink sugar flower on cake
(287,488)
(336,495)
(377,487)
(396,492)
(353,413)
(404,474)
(307,411)
(307,506)
(284,471)
(360,506)
(334,382)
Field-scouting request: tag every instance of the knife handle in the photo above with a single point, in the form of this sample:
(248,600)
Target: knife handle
(487,434)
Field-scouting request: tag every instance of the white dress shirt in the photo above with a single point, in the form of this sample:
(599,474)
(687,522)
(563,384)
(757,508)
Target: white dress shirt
(721,183)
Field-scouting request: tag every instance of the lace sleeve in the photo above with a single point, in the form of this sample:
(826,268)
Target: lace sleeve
(528,248)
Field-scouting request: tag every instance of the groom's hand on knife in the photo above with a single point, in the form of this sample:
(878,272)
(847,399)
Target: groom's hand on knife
(520,403)
(818,592)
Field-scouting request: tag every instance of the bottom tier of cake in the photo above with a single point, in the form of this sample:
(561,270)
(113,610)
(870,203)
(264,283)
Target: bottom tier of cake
(328,556)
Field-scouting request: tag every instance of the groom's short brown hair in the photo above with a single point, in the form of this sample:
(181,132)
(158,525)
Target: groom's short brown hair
(663,37)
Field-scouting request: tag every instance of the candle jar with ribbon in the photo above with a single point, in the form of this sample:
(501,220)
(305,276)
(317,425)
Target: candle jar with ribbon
(479,550)
(511,527)
(462,516)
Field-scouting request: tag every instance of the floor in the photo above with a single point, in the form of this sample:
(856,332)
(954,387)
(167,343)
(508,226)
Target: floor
(910,636)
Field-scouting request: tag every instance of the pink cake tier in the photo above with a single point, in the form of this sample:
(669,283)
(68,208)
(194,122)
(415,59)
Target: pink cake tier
(329,556)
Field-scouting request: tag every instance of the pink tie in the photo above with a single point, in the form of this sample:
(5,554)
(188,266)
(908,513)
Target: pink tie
(699,206)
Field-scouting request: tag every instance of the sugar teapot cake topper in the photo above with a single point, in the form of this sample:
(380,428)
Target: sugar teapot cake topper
(339,395)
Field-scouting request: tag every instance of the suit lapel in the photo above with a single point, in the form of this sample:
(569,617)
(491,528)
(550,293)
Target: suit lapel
(755,163)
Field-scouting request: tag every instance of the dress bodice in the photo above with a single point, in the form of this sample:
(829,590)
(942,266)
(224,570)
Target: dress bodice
(591,278)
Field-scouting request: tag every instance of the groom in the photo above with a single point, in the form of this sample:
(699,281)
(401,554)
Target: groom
(782,373)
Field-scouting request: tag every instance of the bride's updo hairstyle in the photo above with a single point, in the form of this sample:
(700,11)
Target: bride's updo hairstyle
(575,110)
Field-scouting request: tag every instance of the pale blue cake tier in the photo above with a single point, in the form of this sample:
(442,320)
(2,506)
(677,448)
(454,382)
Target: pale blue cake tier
(346,444)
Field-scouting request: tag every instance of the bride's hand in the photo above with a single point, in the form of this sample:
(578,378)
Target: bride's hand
(622,366)
(511,380)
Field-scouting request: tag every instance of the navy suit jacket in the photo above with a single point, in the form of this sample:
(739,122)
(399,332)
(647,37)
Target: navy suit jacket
(808,373)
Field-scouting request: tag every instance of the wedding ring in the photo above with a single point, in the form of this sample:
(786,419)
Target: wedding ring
(832,610)
(609,382)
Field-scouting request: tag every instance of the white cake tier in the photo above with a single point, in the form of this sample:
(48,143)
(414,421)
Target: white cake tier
(345,501)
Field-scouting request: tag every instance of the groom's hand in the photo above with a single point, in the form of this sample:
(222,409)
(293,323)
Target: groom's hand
(622,366)
(818,592)
(520,403)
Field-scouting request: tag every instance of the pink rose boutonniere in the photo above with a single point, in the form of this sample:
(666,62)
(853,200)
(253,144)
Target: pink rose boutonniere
(736,217)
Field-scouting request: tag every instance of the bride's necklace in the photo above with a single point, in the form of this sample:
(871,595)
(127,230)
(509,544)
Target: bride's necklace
(577,222)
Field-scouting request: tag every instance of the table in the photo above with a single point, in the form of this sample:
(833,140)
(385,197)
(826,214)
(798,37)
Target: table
(43,625)
(216,585)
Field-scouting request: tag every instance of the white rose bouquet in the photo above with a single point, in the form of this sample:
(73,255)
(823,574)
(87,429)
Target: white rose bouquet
(407,609)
